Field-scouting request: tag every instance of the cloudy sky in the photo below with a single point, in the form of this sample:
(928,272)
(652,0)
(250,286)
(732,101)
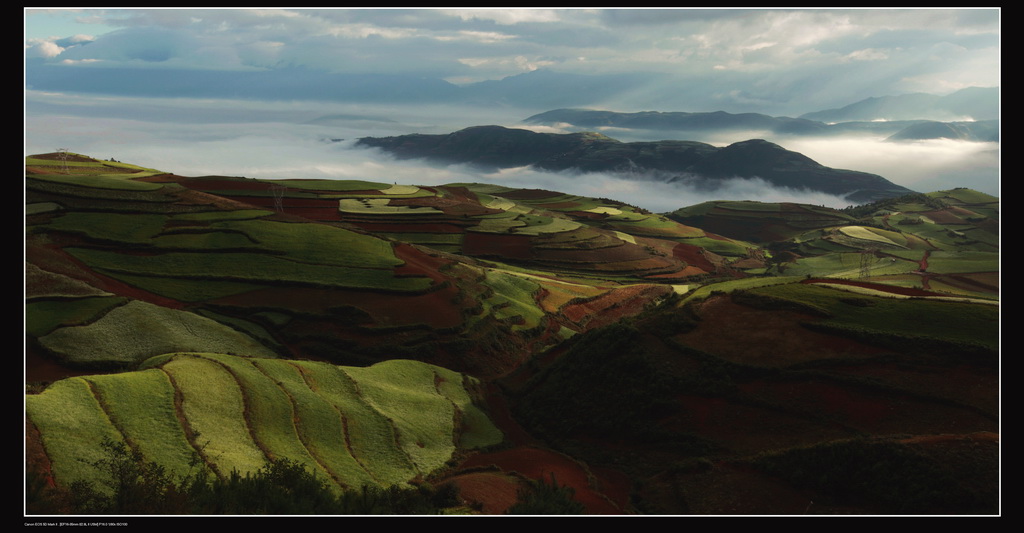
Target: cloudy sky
(196,90)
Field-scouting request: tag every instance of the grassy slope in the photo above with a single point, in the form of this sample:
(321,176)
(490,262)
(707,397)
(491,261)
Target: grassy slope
(237,413)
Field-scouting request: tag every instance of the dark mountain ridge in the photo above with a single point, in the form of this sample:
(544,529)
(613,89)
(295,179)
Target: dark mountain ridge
(673,161)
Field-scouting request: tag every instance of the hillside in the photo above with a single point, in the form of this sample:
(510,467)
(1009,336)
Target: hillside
(712,360)
(688,161)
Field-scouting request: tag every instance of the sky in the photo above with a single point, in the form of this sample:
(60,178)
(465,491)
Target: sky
(246,91)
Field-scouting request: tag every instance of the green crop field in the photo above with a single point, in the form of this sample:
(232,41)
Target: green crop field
(103,181)
(381,206)
(369,435)
(244,268)
(913,318)
(380,425)
(214,405)
(311,426)
(44,316)
(71,425)
(128,228)
(948,262)
(514,296)
(130,333)
(141,407)
(874,235)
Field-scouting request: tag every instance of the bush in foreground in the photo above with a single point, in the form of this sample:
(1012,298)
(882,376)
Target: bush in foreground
(543,498)
(282,487)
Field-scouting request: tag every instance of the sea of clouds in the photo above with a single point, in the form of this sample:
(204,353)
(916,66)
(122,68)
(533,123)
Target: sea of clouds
(283,140)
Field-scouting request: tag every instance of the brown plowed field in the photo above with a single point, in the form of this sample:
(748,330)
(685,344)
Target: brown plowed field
(490,492)
(903,291)
(404,226)
(497,245)
(539,463)
(613,305)
(693,255)
(766,338)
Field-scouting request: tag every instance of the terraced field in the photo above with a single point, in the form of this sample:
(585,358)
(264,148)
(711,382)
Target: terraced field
(393,335)
(353,426)
(230,276)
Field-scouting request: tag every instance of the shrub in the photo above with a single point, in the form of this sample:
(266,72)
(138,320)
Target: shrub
(541,498)
(281,487)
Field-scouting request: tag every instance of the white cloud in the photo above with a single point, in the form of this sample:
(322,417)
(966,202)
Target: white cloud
(507,16)
(45,49)
(779,62)
(797,47)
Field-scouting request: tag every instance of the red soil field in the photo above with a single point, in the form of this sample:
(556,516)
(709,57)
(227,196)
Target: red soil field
(964,384)
(769,338)
(987,282)
(404,226)
(728,489)
(53,259)
(903,291)
(693,255)
(558,205)
(528,194)
(418,263)
(716,237)
(319,214)
(538,463)
(226,184)
(448,205)
(870,411)
(688,272)
(432,309)
(492,492)
(611,254)
(587,215)
(744,429)
(493,244)
(946,216)
(614,305)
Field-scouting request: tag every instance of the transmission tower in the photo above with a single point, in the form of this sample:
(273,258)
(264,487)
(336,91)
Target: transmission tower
(278,192)
(62,153)
(867,259)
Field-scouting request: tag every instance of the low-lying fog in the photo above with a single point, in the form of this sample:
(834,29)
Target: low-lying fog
(307,140)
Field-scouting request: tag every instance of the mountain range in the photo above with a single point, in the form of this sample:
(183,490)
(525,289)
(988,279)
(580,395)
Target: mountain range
(538,89)
(481,341)
(971,103)
(690,162)
(685,123)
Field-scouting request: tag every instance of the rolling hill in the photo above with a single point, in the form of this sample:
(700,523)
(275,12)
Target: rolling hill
(725,358)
